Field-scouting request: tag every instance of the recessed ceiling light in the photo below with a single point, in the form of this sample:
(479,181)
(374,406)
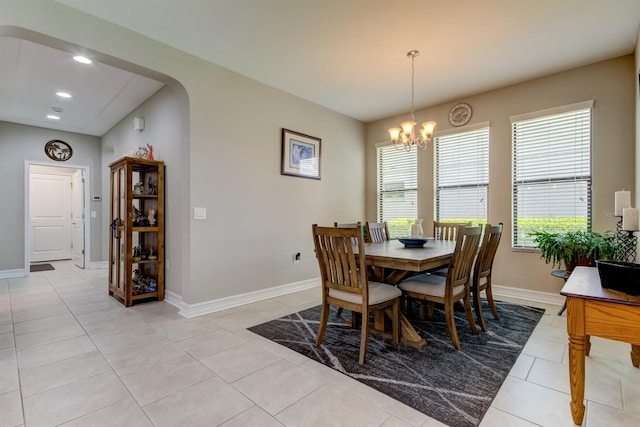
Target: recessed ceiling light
(82,59)
(63,94)
(53,117)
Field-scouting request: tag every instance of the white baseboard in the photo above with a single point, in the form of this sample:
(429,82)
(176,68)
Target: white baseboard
(212,306)
(527,294)
(8,274)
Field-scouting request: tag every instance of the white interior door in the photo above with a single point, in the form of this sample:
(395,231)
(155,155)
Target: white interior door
(50,216)
(77,217)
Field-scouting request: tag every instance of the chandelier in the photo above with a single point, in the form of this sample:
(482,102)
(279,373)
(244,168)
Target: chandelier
(404,136)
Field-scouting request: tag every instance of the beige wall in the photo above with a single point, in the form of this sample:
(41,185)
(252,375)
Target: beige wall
(612,86)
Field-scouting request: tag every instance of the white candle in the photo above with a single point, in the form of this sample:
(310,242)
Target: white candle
(623,200)
(630,219)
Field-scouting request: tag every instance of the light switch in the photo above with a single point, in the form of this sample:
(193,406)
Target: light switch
(199,213)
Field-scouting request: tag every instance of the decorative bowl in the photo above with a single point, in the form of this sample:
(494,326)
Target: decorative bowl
(620,276)
(413,243)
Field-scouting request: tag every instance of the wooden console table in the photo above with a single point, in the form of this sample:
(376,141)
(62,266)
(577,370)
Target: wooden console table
(593,310)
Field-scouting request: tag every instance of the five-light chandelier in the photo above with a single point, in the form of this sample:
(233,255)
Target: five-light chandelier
(404,136)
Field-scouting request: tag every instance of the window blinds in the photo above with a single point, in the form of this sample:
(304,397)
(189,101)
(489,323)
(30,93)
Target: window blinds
(551,174)
(462,176)
(397,187)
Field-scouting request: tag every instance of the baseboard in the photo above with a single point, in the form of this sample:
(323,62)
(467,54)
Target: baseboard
(212,306)
(527,294)
(8,274)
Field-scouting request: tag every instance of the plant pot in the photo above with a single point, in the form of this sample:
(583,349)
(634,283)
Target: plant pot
(620,276)
(582,261)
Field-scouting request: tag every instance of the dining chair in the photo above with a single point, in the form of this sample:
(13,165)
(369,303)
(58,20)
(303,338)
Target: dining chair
(431,289)
(345,284)
(377,232)
(447,230)
(481,275)
(354,241)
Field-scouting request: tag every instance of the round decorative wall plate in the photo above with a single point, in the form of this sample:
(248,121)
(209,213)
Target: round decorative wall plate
(460,114)
(58,150)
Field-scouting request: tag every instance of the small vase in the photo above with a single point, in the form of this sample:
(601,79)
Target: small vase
(415,229)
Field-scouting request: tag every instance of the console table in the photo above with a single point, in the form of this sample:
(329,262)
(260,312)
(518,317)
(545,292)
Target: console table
(593,310)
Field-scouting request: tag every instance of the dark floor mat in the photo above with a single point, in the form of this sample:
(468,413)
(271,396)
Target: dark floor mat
(41,267)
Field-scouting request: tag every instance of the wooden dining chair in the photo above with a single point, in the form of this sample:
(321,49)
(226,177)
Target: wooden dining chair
(447,230)
(345,283)
(430,288)
(377,232)
(481,275)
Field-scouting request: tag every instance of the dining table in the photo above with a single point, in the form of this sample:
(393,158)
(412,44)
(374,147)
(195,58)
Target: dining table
(391,262)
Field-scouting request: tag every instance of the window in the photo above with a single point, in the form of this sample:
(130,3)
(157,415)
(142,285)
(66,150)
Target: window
(397,188)
(551,171)
(462,176)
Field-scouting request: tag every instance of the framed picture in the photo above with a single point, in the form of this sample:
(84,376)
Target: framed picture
(300,155)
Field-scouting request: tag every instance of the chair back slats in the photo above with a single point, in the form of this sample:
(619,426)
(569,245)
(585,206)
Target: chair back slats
(377,232)
(468,239)
(447,230)
(349,225)
(341,267)
(488,249)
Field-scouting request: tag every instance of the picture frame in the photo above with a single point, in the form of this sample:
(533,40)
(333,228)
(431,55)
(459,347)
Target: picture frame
(300,154)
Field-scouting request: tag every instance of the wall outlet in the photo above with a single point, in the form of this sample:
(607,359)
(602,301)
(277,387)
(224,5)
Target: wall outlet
(296,257)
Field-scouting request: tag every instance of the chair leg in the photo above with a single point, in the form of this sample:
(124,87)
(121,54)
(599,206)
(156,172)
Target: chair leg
(363,336)
(324,317)
(451,325)
(339,313)
(467,312)
(477,306)
(491,303)
(395,321)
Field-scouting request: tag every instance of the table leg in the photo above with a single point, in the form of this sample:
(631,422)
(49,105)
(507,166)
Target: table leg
(635,355)
(577,347)
(409,335)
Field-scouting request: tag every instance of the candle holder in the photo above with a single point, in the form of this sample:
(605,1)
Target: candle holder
(627,241)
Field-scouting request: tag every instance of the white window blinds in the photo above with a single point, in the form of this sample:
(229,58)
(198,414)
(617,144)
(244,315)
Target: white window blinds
(397,188)
(551,173)
(462,176)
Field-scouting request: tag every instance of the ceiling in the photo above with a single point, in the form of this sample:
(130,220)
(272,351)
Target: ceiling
(347,55)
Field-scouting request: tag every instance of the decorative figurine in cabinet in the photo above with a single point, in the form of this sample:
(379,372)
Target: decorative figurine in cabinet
(136,246)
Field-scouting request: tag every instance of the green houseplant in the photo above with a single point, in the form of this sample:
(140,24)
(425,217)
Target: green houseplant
(575,247)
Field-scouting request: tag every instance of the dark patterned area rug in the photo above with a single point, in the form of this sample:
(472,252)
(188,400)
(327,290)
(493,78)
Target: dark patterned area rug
(454,387)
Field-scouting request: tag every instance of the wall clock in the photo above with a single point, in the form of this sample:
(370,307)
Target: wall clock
(460,114)
(58,150)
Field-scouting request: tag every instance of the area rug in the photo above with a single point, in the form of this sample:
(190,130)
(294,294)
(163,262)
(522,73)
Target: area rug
(454,387)
(40,267)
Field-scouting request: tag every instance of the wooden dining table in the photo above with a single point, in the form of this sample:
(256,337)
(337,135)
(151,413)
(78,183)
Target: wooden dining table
(392,262)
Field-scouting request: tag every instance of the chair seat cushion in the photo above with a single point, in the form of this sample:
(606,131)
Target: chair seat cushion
(378,293)
(428,284)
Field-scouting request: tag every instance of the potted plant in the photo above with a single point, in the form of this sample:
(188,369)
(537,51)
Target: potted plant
(575,247)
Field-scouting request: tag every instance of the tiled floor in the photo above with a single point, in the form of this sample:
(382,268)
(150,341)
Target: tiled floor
(71,355)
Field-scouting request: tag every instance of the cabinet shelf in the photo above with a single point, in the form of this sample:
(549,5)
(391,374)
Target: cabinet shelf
(131,180)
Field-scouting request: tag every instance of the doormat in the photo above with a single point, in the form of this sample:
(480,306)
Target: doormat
(454,387)
(40,267)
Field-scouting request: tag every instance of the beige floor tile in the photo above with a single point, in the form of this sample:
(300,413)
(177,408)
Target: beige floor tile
(243,320)
(74,400)
(631,394)
(6,326)
(395,422)
(10,409)
(37,325)
(497,418)
(138,358)
(62,372)
(188,328)
(7,340)
(522,366)
(332,406)
(534,403)
(9,380)
(545,349)
(603,389)
(125,413)
(127,338)
(240,361)
(36,356)
(208,403)
(210,343)
(160,381)
(278,386)
(48,336)
(604,416)
(40,313)
(253,416)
